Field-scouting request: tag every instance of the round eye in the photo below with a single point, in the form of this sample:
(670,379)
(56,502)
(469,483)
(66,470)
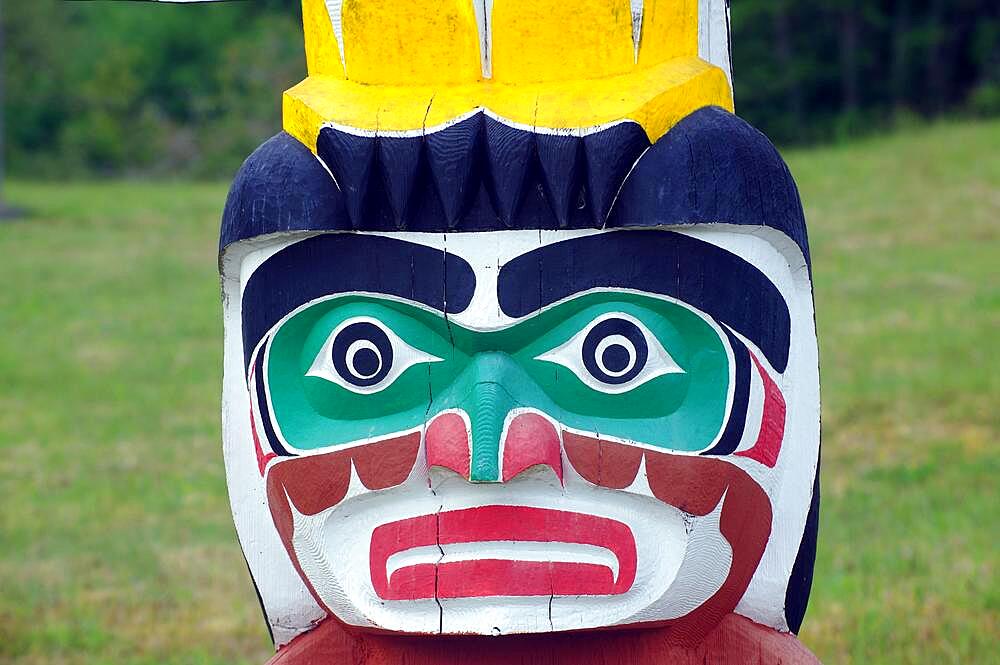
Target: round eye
(615,351)
(365,356)
(362,354)
(614,354)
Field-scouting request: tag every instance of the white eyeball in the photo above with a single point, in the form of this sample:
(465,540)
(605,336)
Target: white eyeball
(614,354)
(365,356)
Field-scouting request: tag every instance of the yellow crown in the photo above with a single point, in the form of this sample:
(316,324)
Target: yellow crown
(391,66)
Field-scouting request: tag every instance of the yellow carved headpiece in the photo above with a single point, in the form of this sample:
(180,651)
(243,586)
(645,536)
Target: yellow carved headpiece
(404,66)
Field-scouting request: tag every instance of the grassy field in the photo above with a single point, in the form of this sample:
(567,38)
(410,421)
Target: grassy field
(116,544)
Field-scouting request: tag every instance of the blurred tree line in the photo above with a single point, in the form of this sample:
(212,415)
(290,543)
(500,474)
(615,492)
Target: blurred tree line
(822,69)
(123,87)
(143,87)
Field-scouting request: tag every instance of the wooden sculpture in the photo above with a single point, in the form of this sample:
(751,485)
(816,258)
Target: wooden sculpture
(520,357)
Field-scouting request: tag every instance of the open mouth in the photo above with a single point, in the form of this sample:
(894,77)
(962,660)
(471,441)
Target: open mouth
(502,551)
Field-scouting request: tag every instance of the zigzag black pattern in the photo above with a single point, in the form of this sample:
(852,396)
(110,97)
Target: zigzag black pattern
(480,174)
(711,167)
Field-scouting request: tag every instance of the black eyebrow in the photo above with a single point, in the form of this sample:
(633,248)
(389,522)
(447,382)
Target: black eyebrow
(719,283)
(337,263)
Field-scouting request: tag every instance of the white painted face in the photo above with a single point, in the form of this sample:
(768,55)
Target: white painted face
(482,476)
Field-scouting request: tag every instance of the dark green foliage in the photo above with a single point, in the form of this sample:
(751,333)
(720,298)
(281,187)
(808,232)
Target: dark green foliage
(126,87)
(123,87)
(808,71)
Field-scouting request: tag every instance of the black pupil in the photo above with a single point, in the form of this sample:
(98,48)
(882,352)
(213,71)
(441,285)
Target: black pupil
(366,362)
(615,357)
(365,366)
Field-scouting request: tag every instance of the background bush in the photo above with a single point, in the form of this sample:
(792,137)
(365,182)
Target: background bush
(126,88)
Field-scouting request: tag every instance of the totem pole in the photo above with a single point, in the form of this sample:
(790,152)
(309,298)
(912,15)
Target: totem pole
(520,355)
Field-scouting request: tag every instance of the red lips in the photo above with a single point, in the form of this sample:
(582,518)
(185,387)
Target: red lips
(546,534)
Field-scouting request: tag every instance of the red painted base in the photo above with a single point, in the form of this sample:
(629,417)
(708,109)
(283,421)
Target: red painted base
(736,640)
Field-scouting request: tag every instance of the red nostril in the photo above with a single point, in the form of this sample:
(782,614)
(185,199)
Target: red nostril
(531,441)
(447,442)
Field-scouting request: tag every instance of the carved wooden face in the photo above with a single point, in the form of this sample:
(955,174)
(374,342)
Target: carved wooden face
(521,431)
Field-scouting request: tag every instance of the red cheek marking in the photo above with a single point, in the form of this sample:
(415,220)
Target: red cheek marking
(387,463)
(696,484)
(772,422)
(693,484)
(312,483)
(315,483)
(584,454)
(531,441)
(603,463)
(447,442)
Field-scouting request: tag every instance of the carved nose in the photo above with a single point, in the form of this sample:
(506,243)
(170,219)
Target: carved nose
(529,441)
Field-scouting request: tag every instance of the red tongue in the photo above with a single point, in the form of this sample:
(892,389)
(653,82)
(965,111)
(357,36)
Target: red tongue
(484,578)
(495,577)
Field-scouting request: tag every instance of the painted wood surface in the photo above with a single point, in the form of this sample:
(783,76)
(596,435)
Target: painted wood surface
(521,360)
(735,641)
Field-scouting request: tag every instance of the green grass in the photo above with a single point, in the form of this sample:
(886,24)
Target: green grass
(906,258)
(116,544)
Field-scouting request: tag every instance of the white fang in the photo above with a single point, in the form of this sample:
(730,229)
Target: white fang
(484,22)
(336,9)
(637,9)
(713,35)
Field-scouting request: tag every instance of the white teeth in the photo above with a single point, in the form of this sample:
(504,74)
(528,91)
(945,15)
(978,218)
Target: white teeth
(356,487)
(637,8)
(570,475)
(505,551)
(640,485)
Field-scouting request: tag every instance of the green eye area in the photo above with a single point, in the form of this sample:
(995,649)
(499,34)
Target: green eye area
(629,366)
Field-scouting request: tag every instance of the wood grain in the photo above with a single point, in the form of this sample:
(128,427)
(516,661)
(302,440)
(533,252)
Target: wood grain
(736,640)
